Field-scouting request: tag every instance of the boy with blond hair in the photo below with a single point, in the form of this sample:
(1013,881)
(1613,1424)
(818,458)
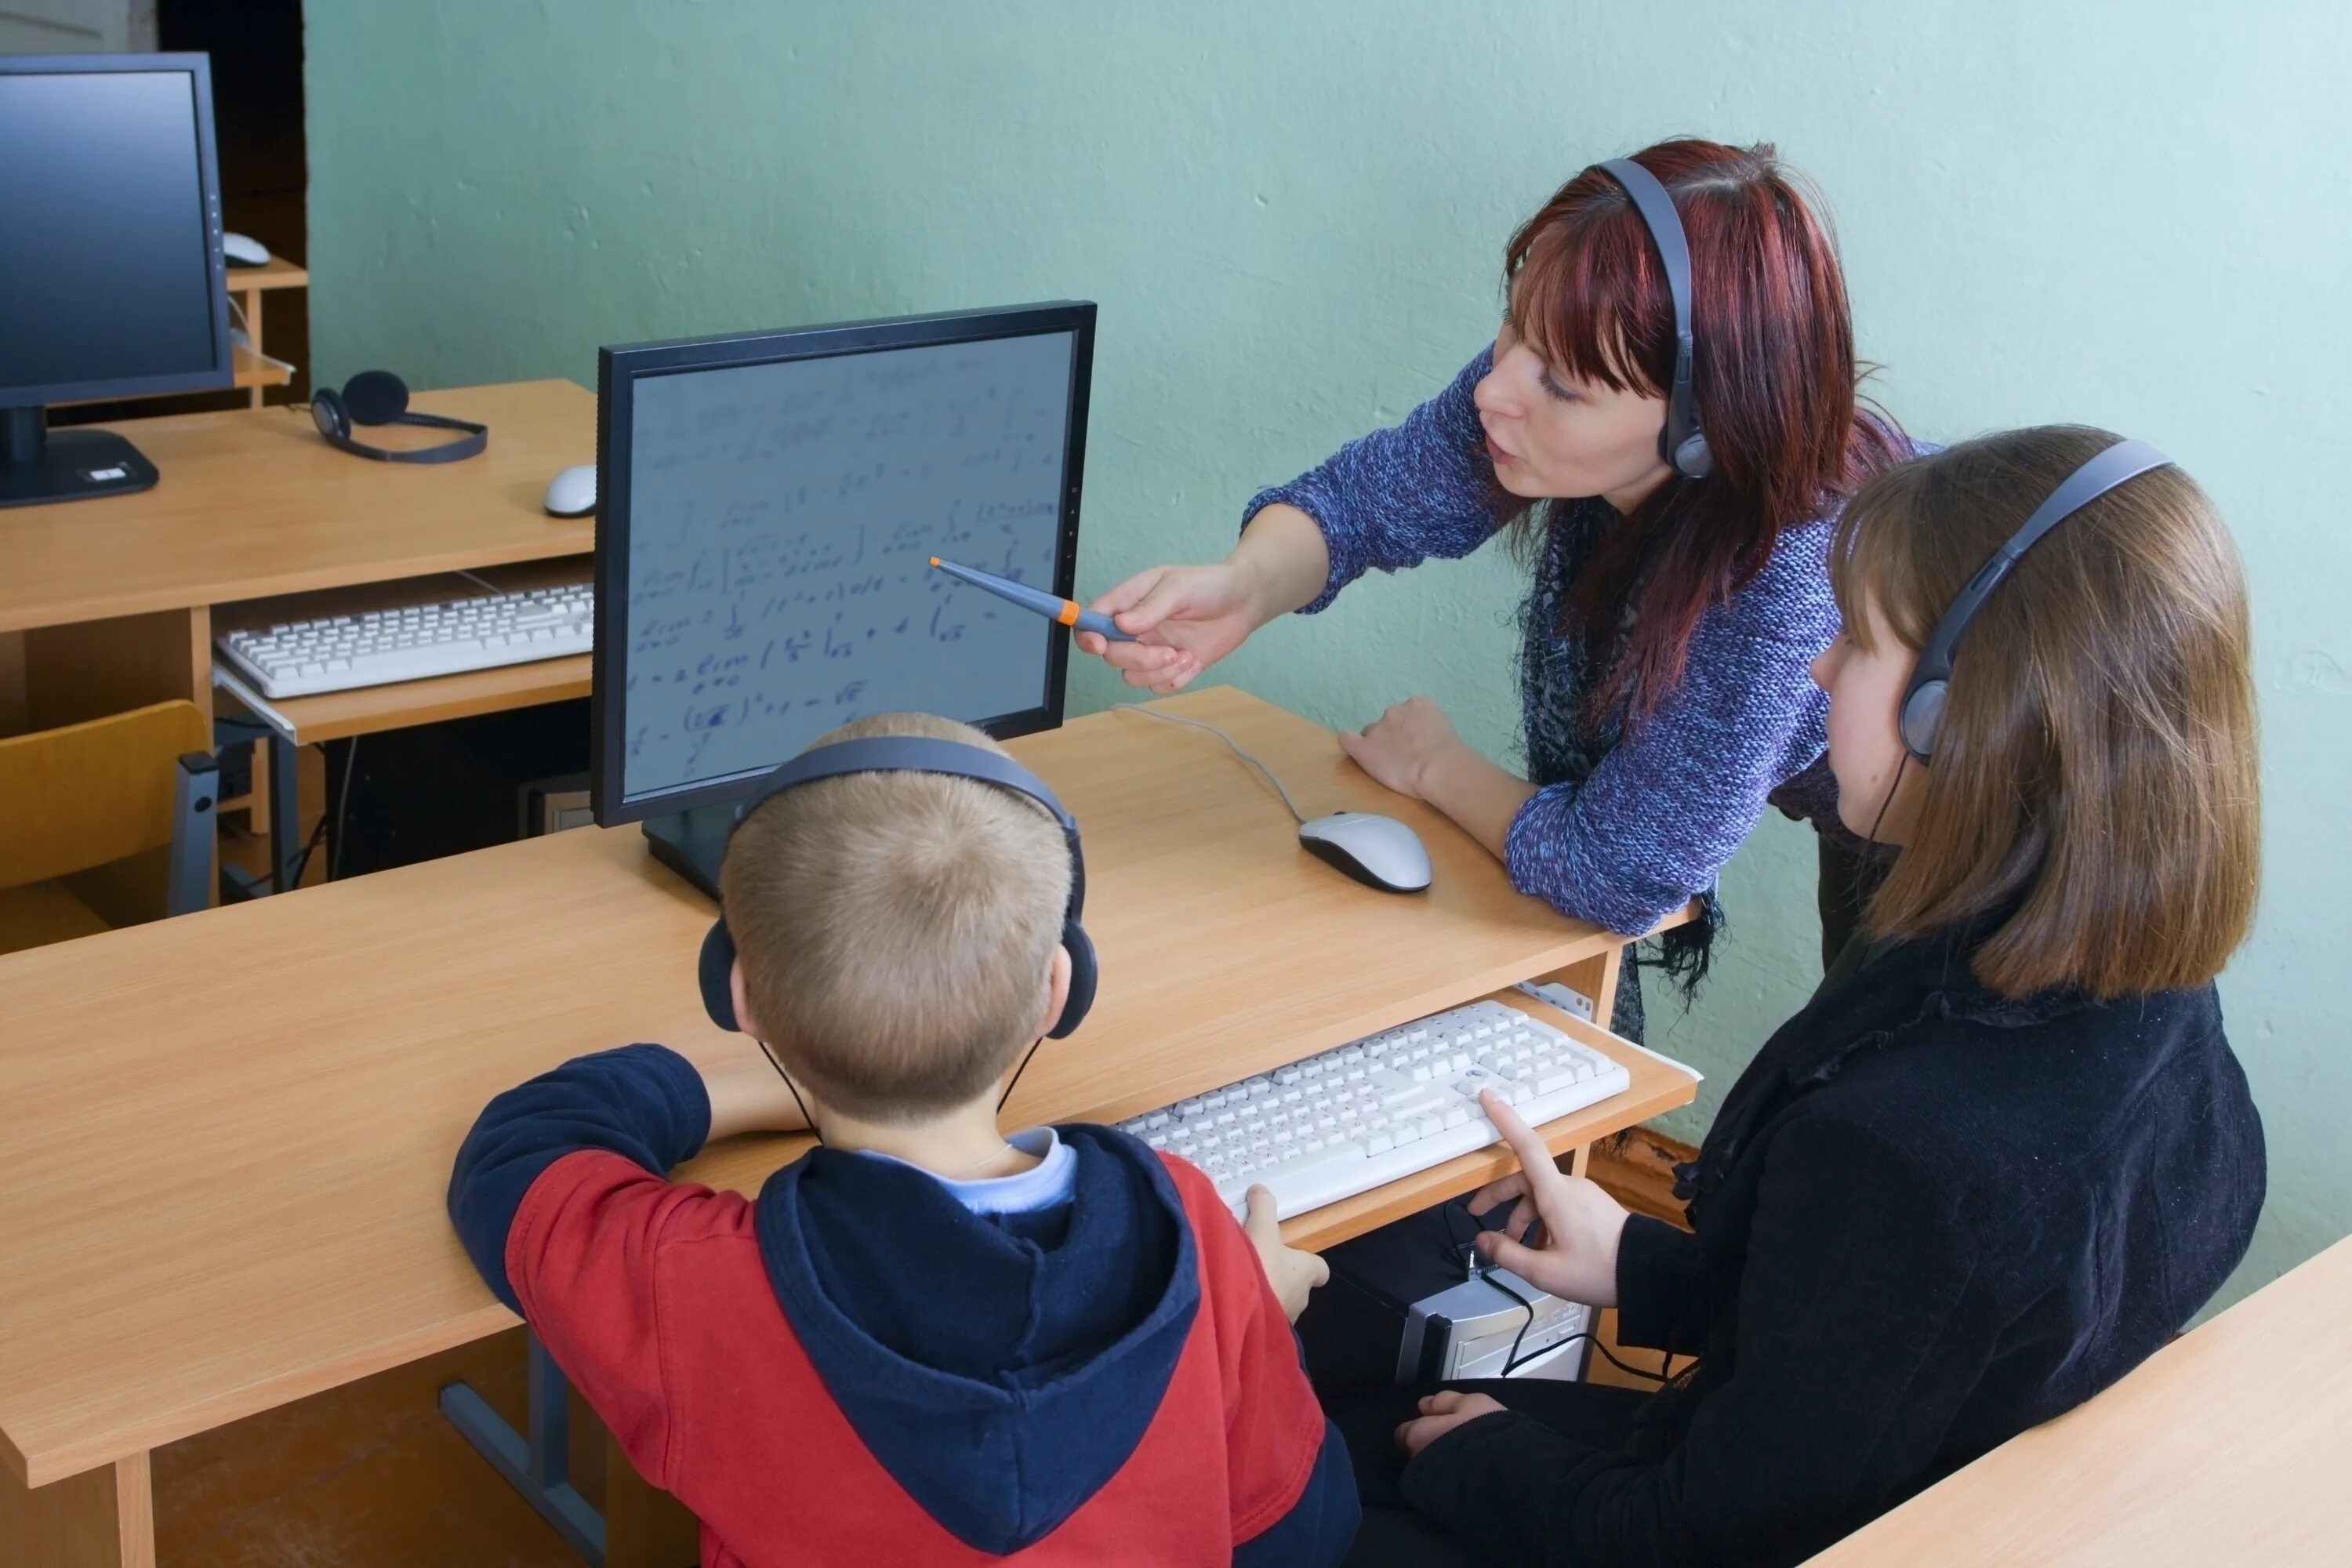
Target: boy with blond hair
(923,1341)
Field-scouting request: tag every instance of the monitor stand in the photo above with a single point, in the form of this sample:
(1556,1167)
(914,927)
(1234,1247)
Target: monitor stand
(692,844)
(38,464)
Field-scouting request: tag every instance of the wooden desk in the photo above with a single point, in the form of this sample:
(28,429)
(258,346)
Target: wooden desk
(222,1190)
(108,605)
(114,597)
(2230,1445)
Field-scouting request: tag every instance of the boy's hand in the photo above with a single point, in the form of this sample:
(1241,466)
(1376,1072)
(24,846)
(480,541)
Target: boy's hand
(1292,1273)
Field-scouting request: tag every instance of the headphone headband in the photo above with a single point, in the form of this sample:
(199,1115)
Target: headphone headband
(1923,698)
(1681,444)
(914,754)
(379,397)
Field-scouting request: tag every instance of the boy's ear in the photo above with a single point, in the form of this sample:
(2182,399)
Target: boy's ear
(1057,992)
(745,1019)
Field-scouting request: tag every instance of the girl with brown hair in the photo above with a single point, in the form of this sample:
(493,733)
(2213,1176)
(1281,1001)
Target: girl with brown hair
(2005,1153)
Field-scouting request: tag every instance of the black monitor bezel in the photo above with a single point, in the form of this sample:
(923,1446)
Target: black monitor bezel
(222,373)
(618,369)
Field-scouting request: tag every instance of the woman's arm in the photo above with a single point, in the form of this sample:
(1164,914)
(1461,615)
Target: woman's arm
(1397,497)
(1390,499)
(1861,1332)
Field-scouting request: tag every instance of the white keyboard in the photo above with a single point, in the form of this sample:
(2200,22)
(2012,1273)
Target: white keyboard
(337,653)
(1371,1111)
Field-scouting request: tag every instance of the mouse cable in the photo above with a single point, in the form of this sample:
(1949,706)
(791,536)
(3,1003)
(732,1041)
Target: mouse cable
(1228,739)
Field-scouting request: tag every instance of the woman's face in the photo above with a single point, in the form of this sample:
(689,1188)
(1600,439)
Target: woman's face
(1866,744)
(1550,436)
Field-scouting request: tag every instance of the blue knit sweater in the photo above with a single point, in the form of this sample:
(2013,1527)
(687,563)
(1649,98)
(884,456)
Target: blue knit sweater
(1623,829)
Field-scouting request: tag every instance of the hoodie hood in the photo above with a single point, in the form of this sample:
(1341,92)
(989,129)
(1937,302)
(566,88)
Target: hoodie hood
(1001,1367)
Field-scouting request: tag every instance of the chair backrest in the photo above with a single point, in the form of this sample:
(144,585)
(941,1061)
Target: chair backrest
(85,795)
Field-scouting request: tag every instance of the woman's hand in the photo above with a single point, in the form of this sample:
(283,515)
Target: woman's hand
(1575,1257)
(1404,745)
(1185,618)
(1292,1273)
(1440,1414)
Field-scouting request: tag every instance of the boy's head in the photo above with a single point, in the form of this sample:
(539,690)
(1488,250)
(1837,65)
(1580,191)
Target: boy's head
(896,933)
(2095,768)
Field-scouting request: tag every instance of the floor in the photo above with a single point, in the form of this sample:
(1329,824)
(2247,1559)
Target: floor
(370,1476)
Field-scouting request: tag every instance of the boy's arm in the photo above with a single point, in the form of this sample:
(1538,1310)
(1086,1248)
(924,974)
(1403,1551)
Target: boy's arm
(1292,1486)
(560,1198)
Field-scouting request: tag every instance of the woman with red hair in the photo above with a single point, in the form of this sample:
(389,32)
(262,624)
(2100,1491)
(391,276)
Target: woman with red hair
(1671,619)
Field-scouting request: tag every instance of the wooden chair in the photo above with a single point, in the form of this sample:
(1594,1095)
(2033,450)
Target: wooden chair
(90,795)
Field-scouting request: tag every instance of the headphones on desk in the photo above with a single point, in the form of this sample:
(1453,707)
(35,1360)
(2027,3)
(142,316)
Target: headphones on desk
(1922,712)
(379,397)
(1681,444)
(911,754)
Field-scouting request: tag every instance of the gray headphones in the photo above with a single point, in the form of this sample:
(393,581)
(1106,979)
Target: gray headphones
(1681,444)
(1923,698)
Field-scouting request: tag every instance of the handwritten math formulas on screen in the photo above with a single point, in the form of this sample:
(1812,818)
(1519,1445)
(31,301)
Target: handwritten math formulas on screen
(781,519)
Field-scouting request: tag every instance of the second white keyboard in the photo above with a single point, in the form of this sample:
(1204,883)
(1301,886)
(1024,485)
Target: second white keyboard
(1382,1108)
(337,653)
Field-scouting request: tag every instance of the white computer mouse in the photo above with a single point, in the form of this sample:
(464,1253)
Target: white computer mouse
(243,251)
(1378,851)
(572,492)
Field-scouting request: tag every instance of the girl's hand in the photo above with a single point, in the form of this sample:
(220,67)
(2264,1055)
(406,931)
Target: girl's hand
(1576,1255)
(1185,618)
(1440,1414)
(1399,748)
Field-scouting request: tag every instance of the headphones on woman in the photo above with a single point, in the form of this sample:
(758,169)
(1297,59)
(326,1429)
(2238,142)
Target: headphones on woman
(1681,444)
(911,754)
(1923,698)
(379,397)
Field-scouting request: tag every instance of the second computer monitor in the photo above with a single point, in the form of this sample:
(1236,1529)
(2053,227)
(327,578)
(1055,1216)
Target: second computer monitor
(770,505)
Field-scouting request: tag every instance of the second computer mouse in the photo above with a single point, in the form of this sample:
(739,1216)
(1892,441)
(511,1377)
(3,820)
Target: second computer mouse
(238,250)
(1378,851)
(572,492)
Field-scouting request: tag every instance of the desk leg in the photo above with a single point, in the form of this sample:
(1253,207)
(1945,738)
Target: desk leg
(100,1519)
(539,1467)
(1595,977)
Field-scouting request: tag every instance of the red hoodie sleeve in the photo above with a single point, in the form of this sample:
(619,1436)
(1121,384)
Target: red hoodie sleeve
(583,1255)
(1292,1491)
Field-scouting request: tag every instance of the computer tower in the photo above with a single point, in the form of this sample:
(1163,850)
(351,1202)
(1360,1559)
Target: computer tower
(1403,1305)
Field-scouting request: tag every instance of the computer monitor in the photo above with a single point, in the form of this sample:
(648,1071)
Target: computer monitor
(768,507)
(111,270)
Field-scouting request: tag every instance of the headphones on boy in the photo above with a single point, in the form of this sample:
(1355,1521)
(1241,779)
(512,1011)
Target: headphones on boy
(379,397)
(1923,698)
(912,754)
(1681,444)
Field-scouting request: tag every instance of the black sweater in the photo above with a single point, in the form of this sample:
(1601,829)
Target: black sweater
(1926,1219)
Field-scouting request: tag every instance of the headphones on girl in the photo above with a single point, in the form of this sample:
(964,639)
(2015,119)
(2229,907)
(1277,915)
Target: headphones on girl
(1681,444)
(379,397)
(1923,698)
(911,754)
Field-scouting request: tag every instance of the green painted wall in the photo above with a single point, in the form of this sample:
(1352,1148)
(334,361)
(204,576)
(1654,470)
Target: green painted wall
(1292,215)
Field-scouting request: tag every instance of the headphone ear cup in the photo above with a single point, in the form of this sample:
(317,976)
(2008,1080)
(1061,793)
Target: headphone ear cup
(327,412)
(375,397)
(716,971)
(1083,976)
(1923,715)
(1694,459)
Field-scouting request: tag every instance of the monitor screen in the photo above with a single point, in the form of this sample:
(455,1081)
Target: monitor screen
(108,246)
(780,521)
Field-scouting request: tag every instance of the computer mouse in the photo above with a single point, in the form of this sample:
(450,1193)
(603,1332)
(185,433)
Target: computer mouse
(572,492)
(243,251)
(1378,851)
